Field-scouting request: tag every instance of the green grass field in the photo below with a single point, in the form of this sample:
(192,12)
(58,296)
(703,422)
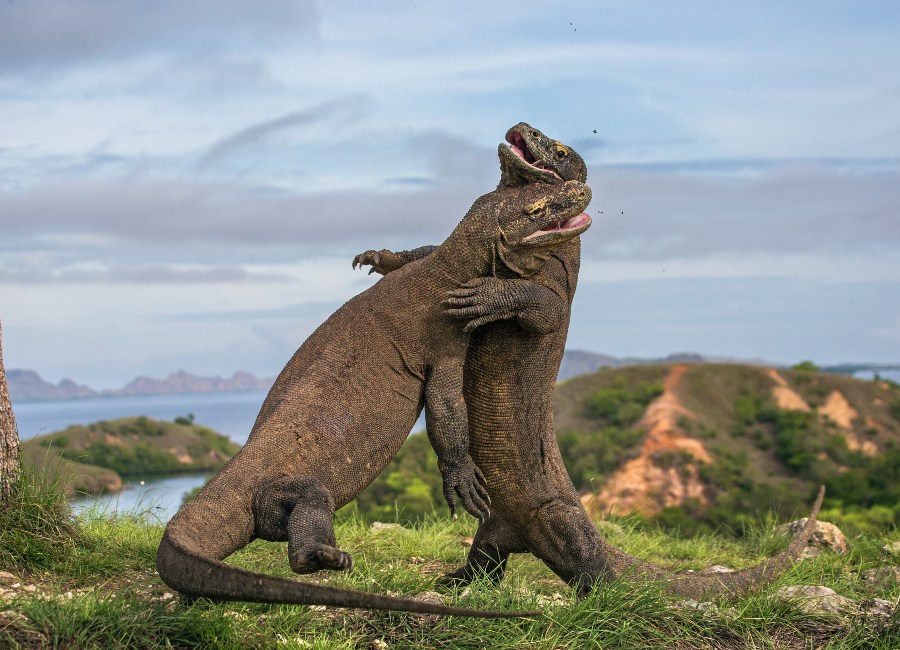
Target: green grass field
(95,587)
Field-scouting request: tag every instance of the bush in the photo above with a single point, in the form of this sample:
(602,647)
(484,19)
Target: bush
(622,406)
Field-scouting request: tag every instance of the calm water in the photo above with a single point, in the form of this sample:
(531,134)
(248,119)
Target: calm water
(231,414)
(157,499)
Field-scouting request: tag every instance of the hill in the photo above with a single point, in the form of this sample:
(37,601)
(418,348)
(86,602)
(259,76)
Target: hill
(93,458)
(716,442)
(28,385)
(702,445)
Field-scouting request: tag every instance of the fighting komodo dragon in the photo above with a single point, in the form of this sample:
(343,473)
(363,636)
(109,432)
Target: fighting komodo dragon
(345,402)
(510,373)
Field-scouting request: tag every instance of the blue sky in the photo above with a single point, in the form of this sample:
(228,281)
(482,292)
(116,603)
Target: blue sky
(183,185)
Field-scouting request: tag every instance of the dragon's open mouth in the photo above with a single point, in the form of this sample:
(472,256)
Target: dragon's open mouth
(581,221)
(519,146)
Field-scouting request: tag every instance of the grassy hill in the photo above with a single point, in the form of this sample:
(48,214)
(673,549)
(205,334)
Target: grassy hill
(721,443)
(704,446)
(92,458)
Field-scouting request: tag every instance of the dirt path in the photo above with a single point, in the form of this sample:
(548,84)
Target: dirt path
(647,484)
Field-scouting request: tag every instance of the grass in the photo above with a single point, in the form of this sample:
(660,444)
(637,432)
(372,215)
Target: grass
(117,600)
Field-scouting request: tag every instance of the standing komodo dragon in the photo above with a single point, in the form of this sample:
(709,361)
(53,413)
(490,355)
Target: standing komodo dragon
(344,404)
(510,374)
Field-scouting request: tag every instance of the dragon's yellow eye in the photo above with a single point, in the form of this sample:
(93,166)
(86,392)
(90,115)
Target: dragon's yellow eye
(561,151)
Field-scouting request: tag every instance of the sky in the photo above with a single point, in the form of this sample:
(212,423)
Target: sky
(185,184)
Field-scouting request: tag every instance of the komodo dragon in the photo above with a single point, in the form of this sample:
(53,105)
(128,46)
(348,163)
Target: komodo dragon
(510,374)
(344,404)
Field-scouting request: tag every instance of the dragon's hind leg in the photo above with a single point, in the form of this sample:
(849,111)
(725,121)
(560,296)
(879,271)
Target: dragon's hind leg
(300,511)
(493,543)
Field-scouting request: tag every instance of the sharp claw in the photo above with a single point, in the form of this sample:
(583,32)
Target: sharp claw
(372,270)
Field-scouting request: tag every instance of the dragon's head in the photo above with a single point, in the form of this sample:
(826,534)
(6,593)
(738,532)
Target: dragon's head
(529,156)
(538,218)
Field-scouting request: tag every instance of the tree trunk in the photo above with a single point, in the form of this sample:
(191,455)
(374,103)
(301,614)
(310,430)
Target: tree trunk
(9,435)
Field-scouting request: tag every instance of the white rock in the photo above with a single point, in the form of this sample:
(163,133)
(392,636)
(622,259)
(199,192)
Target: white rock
(887,575)
(817,599)
(715,568)
(825,535)
(876,608)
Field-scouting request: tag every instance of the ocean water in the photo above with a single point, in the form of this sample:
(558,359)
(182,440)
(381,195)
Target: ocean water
(155,499)
(231,414)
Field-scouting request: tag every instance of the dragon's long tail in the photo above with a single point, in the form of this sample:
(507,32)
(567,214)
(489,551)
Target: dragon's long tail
(194,575)
(733,584)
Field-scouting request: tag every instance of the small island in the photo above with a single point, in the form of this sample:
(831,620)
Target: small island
(94,459)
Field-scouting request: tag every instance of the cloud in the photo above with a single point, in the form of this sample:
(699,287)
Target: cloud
(138,274)
(807,214)
(787,209)
(64,33)
(256,133)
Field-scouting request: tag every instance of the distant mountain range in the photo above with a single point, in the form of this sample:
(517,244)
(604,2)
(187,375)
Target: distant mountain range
(27,385)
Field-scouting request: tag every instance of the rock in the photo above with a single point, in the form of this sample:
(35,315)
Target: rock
(7,578)
(891,549)
(715,568)
(415,559)
(884,575)
(380,525)
(379,644)
(434,598)
(818,600)
(467,541)
(809,552)
(879,610)
(825,535)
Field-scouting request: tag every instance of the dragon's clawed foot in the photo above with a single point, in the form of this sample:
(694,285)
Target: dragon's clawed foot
(466,481)
(383,261)
(457,578)
(323,557)
(480,301)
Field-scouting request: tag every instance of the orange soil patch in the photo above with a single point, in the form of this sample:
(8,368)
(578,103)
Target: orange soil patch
(785,397)
(641,485)
(839,410)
